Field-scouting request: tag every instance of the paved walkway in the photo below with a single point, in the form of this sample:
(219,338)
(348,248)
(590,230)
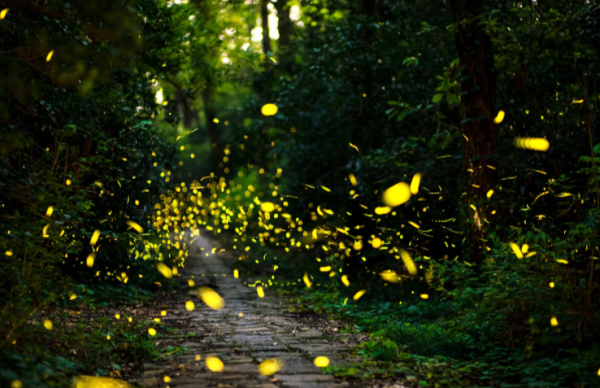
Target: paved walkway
(266,330)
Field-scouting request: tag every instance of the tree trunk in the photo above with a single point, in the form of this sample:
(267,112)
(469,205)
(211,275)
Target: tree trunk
(211,126)
(477,112)
(264,15)
(284,25)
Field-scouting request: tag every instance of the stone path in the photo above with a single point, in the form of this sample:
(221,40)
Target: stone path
(266,330)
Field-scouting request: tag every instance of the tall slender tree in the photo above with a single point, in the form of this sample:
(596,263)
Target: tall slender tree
(264,16)
(477,112)
(284,24)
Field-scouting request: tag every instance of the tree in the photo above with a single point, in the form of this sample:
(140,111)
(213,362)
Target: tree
(285,26)
(79,152)
(477,112)
(264,17)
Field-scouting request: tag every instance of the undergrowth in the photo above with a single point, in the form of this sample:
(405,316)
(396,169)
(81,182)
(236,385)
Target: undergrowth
(103,332)
(445,343)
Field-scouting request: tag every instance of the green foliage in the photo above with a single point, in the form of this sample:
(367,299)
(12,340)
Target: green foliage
(35,370)
(82,345)
(77,138)
(498,309)
(385,350)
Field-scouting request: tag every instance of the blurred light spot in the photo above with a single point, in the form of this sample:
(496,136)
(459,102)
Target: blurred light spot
(321,362)
(396,195)
(532,143)
(95,237)
(414,184)
(214,364)
(345,280)
(164,270)
(270,366)
(499,117)
(269,109)
(359,294)
(211,298)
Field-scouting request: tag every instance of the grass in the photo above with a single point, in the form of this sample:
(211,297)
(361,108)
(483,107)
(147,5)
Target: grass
(86,338)
(437,343)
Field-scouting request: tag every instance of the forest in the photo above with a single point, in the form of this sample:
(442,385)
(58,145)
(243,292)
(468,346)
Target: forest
(299,193)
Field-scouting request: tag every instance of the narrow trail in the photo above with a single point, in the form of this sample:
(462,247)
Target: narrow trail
(266,330)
